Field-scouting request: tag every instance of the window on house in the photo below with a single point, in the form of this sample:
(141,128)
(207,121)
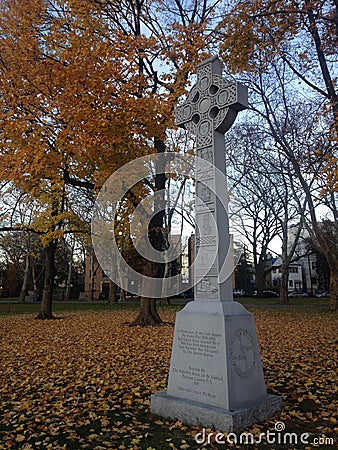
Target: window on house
(313,265)
(293,269)
(291,283)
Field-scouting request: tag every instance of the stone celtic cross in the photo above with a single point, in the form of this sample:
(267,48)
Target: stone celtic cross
(216,375)
(208,112)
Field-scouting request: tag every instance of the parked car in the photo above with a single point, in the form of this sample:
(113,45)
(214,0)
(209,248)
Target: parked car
(298,294)
(238,293)
(268,294)
(185,294)
(322,294)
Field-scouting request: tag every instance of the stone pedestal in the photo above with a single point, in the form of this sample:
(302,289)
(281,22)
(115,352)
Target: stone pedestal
(216,377)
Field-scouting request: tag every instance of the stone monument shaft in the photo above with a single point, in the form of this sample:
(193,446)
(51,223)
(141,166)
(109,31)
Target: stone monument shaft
(216,375)
(208,112)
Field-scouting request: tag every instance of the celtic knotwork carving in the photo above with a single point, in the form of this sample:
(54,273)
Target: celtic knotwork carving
(207,107)
(206,240)
(204,141)
(204,71)
(206,153)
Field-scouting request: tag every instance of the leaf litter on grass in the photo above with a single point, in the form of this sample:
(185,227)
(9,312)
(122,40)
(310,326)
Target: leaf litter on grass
(84,381)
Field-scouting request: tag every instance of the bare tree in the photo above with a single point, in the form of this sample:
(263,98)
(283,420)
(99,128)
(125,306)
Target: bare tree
(290,55)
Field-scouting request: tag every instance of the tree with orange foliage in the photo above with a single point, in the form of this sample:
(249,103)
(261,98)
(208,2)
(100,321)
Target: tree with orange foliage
(69,110)
(181,36)
(85,87)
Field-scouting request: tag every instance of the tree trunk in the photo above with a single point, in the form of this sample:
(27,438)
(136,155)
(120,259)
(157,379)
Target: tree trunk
(122,295)
(260,282)
(148,315)
(92,275)
(112,294)
(333,303)
(25,280)
(35,280)
(69,278)
(47,297)
(165,301)
(167,273)
(35,283)
(284,286)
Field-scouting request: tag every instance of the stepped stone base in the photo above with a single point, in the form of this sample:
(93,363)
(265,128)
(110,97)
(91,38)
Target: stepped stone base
(195,413)
(216,375)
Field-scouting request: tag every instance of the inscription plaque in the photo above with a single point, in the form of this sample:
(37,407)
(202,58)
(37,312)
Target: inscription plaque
(196,380)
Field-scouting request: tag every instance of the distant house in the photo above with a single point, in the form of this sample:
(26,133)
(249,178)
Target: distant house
(308,261)
(295,275)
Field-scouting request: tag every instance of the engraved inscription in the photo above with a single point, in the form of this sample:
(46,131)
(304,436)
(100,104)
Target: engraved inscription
(194,379)
(207,285)
(199,343)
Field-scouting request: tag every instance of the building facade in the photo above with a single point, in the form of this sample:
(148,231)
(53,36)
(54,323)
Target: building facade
(295,276)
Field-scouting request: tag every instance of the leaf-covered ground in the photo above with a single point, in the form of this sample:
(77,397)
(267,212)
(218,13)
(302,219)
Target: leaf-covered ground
(84,381)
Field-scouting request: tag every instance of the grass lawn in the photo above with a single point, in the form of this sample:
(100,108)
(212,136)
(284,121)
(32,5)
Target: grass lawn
(84,381)
(295,301)
(13,306)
